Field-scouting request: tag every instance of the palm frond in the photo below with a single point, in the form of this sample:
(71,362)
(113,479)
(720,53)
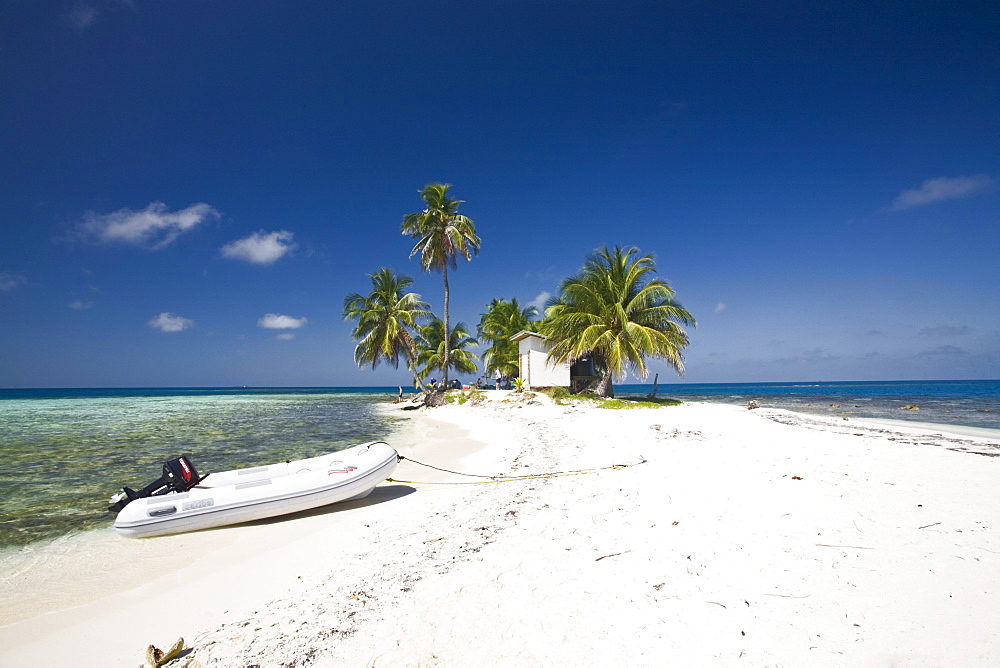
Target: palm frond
(384,318)
(616,310)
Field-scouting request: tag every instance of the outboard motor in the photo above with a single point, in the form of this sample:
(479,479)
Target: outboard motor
(179,475)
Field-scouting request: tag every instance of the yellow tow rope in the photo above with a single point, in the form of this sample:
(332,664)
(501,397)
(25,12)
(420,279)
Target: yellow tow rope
(541,476)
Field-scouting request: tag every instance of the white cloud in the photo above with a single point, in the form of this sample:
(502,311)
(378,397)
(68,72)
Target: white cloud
(260,247)
(544,275)
(276,321)
(168,322)
(719,308)
(10,281)
(154,227)
(81,16)
(939,189)
(539,301)
(80,304)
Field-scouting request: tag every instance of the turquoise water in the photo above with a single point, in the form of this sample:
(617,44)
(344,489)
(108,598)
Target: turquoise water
(964,403)
(66,451)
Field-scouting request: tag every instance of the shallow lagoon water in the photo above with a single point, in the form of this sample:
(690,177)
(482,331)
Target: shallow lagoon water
(65,456)
(66,451)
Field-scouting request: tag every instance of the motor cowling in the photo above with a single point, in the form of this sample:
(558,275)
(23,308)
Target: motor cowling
(179,475)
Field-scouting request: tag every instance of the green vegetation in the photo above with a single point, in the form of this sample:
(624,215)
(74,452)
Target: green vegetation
(432,354)
(636,402)
(514,398)
(558,393)
(385,319)
(441,234)
(461,397)
(562,397)
(615,311)
(502,320)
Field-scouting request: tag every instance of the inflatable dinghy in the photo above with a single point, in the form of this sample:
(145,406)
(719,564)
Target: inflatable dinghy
(181,500)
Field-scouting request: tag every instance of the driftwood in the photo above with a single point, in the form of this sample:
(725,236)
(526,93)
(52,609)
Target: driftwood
(156,657)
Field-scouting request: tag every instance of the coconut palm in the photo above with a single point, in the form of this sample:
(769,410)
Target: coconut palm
(442,235)
(433,354)
(502,320)
(385,318)
(618,312)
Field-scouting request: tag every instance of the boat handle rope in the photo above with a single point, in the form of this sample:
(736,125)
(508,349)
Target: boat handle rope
(500,477)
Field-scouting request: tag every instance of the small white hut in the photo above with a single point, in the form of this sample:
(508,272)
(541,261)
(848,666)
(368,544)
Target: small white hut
(534,365)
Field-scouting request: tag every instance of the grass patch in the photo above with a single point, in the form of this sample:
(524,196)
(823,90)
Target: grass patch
(517,397)
(557,393)
(637,402)
(462,397)
(562,397)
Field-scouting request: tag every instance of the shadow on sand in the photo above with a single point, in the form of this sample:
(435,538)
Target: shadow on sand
(380,494)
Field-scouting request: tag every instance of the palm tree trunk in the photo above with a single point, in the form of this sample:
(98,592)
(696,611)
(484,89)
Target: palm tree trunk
(416,377)
(606,387)
(431,397)
(411,363)
(447,330)
(656,381)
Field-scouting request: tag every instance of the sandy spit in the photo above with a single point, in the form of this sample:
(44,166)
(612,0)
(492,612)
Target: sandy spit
(733,537)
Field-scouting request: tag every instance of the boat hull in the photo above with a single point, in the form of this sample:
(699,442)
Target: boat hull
(245,495)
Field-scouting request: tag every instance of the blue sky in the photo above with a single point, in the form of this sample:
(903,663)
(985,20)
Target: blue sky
(190,188)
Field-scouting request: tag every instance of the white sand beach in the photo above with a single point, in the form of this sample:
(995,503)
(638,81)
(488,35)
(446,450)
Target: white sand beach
(734,537)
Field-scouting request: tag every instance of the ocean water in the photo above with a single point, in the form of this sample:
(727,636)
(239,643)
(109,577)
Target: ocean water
(66,451)
(960,403)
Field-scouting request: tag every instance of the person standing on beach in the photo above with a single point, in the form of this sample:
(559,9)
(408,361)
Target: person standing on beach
(497,376)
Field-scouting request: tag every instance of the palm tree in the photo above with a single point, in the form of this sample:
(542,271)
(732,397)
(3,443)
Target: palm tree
(616,311)
(433,354)
(502,320)
(385,318)
(442,235)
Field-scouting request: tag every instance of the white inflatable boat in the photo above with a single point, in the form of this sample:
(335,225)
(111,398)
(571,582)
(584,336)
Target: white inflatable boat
(182,501)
